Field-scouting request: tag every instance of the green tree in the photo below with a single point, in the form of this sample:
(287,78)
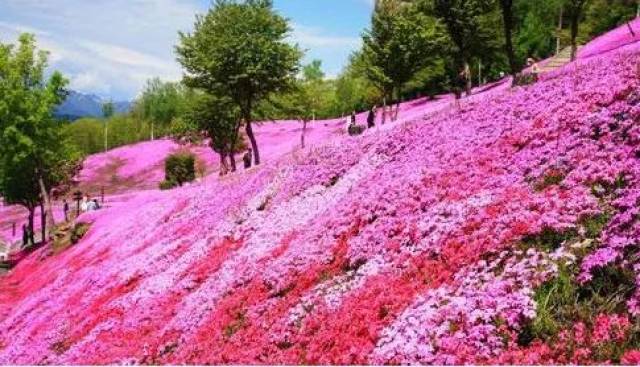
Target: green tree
(602,15)
(399,44)
(312,72)
(239,50)
(86,134)
(508,24)
(575,11)
(219,120)
(107,113)
(309,96)
(34,156)
(353,89)
(160,103)
(538,30)
(463,21)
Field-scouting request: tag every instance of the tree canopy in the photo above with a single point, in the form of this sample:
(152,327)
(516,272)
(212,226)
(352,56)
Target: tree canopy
(34,157)
(401,41)
(239,50)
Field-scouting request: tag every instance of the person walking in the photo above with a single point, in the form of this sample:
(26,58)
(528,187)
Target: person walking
(84,204)
(533,67)
(247,158)
(353,118)
(65,208)
(371,118)
(25,235)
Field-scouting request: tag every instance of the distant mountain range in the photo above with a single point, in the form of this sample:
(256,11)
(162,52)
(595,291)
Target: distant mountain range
(78,105)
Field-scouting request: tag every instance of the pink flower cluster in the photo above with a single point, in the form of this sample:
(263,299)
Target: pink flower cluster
(403,245)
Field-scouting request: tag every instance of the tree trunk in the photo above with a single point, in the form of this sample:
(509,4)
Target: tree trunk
(43,223)
(232,160)
(575,23)
(30,226)
(467,69)
(223,164)
(47,205)
(304,130)
(507,18)
(152,132)
(384,109)
(252,138)
(631,29)
(395,113)
(576,13)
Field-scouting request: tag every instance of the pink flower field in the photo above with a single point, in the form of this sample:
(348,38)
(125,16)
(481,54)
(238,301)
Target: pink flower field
(438,239)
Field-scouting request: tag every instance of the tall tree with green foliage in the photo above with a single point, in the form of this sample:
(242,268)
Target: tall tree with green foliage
(537,28)
(107,113)
(160,103)
(506,6)
(34,157)
(462,19)
(309,95)
(400,42)
(353,89)
(575,11)
(239,50)
(219,120)
(602,15)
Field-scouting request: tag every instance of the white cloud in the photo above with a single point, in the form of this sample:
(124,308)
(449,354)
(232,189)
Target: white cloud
(114,46)
(103,46)
(20,28)
(316,37)
(127,57)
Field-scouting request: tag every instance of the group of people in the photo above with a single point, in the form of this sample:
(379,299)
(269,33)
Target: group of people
(371,118)
(88,204)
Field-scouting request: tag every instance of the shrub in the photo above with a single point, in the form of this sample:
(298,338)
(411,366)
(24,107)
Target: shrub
(562,301)
(355,130)
(167,185)
(179,169)
(549,239)
(553,177)
(78,231)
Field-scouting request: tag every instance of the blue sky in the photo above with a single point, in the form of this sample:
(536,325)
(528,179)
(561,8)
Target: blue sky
(111,47)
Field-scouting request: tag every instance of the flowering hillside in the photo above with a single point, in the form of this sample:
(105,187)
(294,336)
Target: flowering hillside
(502,233)
(132,169)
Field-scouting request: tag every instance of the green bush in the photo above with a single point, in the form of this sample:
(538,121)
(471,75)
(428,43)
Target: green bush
(78,231)
(562,301)
(549,239)
(167,185)
(87,134)
(179,169)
